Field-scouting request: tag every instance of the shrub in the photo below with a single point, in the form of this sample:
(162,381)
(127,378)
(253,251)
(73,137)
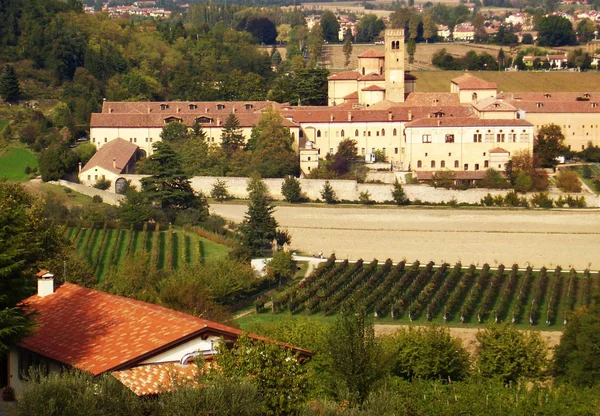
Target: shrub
(398,194)
(487,200)
(97,199)
(102,184)
(328,194)
(219,191)
(541,200)
(443,179)
(494,180)
(291,189)
(365,198)
(571,202)
(568,181)
(523,182)
(586,172)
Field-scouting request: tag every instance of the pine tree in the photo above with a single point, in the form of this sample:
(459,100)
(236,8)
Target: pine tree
(232,138)
(328,194)
(259,227)
(9,84)
(169,187)
(398,194)
(347,47)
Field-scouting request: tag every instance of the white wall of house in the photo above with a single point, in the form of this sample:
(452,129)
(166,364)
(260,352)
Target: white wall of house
(90,176)
(175,354)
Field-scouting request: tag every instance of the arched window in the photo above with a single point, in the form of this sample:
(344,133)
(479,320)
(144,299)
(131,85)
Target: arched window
(433,164)
(318,133)
(383,132)
(395,132)
(456,164)
(476,166)
(474,96)
(355,133)
(443,164)
(486,164)
(342,133)
(419,164)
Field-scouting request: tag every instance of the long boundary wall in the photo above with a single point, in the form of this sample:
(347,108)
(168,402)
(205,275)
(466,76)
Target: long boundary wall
(346,190)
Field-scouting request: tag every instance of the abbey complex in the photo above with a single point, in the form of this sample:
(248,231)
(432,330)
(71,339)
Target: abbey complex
(469,129)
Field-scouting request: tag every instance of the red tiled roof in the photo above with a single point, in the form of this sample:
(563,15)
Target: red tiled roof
(373,88)
(499,150)
(371,53)
(557,107)
(466,122)
(152,379)
(469,82)
(120,150)
(96,332)
(186,107)
(157,120)
(344,75)
(435,99)
(372,77)
(494,104)
(352,96)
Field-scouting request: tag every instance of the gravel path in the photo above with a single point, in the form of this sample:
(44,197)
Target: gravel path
(540,238)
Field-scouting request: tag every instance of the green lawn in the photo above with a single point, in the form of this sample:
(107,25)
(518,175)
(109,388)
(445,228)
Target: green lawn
(595,168)
(13,161)
(3,123)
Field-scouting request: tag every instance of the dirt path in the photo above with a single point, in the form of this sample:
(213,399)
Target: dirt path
(538,238)
(467,335)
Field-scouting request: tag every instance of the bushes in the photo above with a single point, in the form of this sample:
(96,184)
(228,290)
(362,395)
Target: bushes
(291,189)
(328,194)
(102,184)
(568,181)
(219,191)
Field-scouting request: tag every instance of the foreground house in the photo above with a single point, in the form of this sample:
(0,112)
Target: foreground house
(144,346)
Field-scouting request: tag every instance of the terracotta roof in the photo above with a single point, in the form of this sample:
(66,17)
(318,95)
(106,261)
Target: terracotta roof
(152,379)
(97,332)
(499,150)
(409,77)
(466,122)
(469,82)
(373,88)
(120,150)
(560,56)
(425,175)
(558,107)
(344,75)
(186,107)
(371,53)
(371,77)
(352,96)
(493,104)
(157,120)
(432,99)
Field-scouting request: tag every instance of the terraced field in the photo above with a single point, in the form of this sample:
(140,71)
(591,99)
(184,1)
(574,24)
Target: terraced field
(169,248)
(442,293)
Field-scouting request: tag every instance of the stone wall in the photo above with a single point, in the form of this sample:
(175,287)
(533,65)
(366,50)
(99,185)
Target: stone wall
(346,190)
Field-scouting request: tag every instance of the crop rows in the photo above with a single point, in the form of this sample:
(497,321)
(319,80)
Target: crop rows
(105,249)
(440,293)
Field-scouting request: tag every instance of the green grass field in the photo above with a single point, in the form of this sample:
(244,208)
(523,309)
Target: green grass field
(3,123)
(13,161)
(595,168)
(107,248)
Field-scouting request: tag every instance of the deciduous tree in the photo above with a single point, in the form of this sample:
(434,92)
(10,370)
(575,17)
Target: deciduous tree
(548,145)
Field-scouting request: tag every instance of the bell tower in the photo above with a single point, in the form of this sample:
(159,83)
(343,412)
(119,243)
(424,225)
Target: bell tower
(394,65)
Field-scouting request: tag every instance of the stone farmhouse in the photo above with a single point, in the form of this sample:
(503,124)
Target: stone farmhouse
(468,129)
(148,348)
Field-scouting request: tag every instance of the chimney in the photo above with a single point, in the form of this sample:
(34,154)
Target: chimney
(177,110)
(45,283)
(218,121)
(79,167)
(439,122)
(206,109)
(330,117)
(110,110)
(233,110)
(349,116)
(149,110)
(409,115)
(114,163)
(390,117)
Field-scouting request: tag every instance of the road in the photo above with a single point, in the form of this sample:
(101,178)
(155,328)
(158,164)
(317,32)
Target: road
(539,238)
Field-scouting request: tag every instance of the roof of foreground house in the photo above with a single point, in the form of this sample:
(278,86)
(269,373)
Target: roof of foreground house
(97,332)
(113,156)
(371,53)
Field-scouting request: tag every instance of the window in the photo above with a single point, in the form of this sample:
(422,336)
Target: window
(427,138)
(476,166)
(377,133)
(369,134)
(318,133)
(331,150)
(372,150)
(477,137)
(193,106)
(474,96)
(486,164)
(456,164)
(466,166)
(433,164)
(395,150)
(164,106)
(309,158)
(89,177)
(362,151)
(443,164)
(395,132)
(489,137)
(524,137)
(419,164)
(383,132)
(248,106)
(500,138)
(342,133)
(204,120)
(355,133)
(220,106)
(105,140)
(363,70)
(27,360)
(449,138)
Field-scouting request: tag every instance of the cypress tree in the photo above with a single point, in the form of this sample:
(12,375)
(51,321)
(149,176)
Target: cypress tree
(9,84)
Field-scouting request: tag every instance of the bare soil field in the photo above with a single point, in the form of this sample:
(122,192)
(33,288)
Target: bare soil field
(467,336)
(538,238)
